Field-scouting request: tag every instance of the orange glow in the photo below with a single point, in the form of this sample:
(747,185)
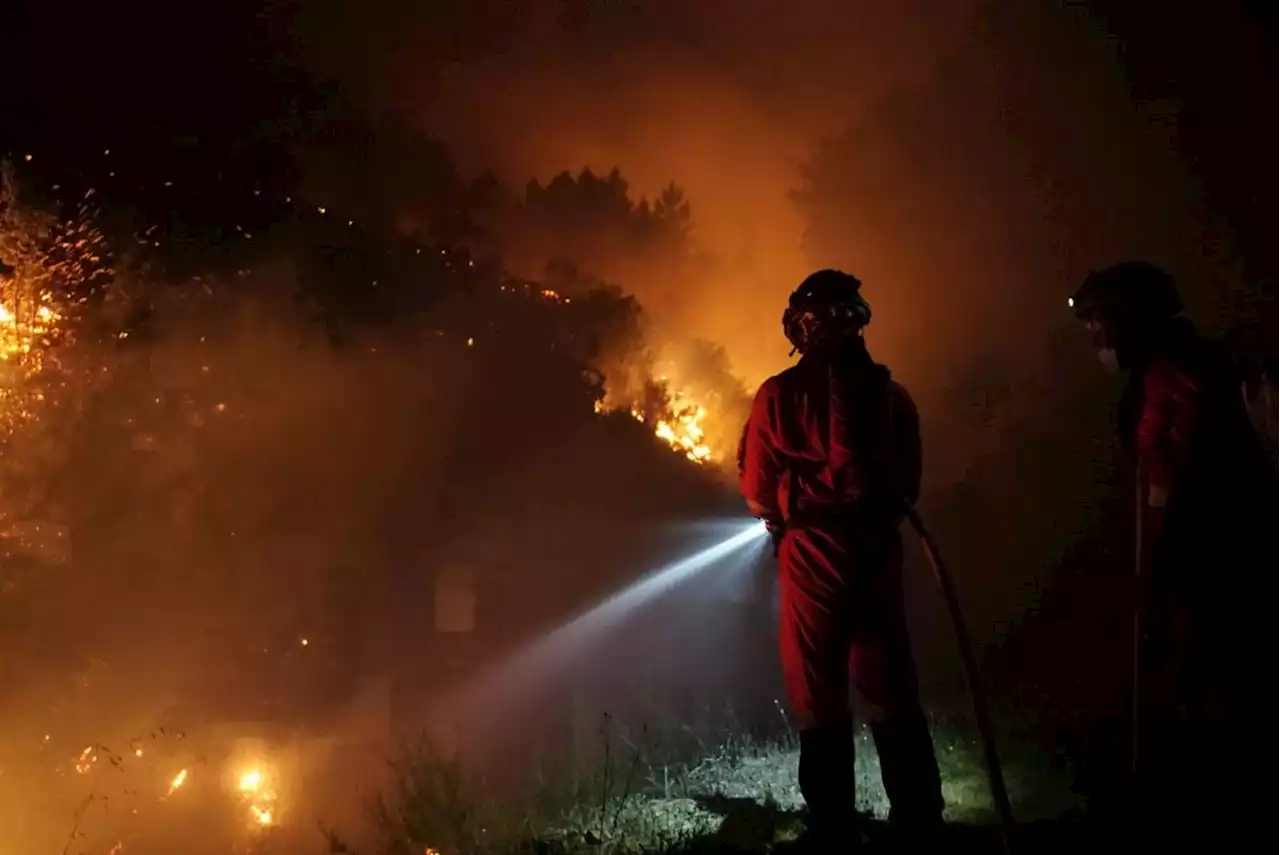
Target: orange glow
(250,781)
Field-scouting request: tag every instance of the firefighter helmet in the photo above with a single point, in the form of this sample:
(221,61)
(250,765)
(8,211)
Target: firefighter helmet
(826,310)
(1129,291)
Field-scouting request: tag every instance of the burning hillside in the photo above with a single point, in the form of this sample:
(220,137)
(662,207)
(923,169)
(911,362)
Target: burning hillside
(681,428)
(680,388)
(685,393)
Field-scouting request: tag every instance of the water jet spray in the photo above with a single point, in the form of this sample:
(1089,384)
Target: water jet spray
(554,648)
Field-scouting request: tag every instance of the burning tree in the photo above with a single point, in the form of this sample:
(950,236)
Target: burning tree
(50,267)
(582,231)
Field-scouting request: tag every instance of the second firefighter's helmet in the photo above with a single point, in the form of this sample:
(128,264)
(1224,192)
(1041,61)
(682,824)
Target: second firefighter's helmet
(1132,291)
(825,312)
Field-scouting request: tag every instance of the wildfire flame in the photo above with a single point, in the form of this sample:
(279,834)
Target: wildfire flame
(684,431)
(21,331)
(678,421)
(680,424)
(259,797)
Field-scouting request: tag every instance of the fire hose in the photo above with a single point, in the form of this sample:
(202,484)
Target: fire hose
(991,758)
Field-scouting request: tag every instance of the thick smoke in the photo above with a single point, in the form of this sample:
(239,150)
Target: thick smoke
(968,161)
(239,494)
(724,99)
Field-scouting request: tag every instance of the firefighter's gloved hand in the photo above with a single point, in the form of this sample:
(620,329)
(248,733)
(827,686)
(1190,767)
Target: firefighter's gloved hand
(777,529)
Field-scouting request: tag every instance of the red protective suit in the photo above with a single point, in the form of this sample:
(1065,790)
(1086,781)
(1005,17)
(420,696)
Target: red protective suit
(832,447)
(1207,518)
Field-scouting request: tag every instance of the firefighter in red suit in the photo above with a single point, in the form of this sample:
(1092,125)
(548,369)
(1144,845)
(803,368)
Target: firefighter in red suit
(1206,523)
(829,459)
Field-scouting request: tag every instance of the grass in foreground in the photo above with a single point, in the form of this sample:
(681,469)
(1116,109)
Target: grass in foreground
(737,797)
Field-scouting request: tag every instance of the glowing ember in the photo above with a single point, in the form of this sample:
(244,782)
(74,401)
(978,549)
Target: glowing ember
(178,781)
(85,761)
(554,296)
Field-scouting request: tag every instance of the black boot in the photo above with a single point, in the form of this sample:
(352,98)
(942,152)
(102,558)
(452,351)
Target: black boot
(909,771)
(826,780)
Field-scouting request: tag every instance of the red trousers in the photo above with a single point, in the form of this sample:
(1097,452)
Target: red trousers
(842,617)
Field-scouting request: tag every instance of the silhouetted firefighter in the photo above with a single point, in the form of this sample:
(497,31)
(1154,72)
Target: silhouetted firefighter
(1206,552)
(830,459)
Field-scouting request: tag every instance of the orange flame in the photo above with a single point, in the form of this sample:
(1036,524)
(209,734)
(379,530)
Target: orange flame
(261,799)
(680,425)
